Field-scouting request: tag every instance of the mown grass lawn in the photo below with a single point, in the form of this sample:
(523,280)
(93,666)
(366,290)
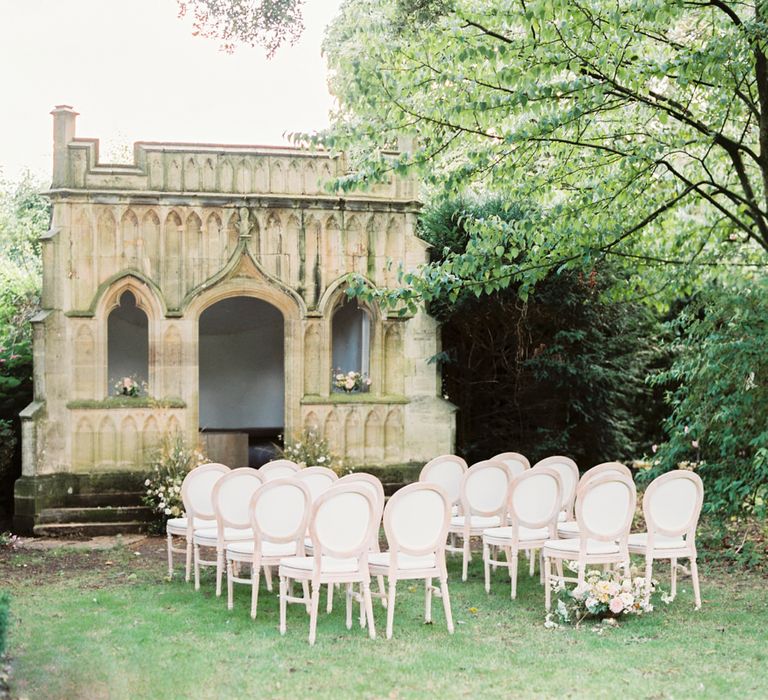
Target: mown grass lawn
(108,625)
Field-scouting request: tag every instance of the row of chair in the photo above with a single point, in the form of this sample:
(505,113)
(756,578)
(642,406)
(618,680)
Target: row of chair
(548,508)
(317,530)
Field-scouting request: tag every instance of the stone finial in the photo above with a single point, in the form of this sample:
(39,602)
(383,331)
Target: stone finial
(64,118)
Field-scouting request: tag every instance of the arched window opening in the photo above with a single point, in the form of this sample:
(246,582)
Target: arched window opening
(351,343)
(127,348)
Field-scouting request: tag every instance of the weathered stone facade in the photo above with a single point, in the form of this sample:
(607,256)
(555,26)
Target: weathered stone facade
(189,225)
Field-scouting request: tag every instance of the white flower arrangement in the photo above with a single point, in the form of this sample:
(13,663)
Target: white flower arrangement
(170,465)
(130,386)
(603,594)
(311,450)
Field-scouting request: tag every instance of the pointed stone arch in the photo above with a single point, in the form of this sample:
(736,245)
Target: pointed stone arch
(353,437)
(193,257)
(312,422)
(84,445)
(355,246)
(209,175)
(226,176)
(332,432)
(276,177)
(331,249)
(394,252)
(150,437)
(81,265)
(106,229)
(149,246)
(106,453)
(191,175)
(393,360)
(243,177)
(290,251)
(260,177)
(173,426)
(172,362)
(173,263)
(393,435)
(272,249)
(295,178)
(374,437)
(173,180)
(130,447)
(129,240)
(311,277)
(85,362)
(216,245)
(310,178)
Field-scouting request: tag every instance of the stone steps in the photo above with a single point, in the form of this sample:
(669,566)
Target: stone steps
(92,529)
(103,514)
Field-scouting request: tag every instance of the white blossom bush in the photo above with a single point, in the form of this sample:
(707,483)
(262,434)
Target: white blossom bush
(170,464)
(311,450)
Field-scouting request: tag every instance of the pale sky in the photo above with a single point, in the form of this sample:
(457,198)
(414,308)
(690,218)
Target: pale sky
(134,72)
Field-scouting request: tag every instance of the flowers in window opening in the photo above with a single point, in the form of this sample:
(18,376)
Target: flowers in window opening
(130,386)
(351,381)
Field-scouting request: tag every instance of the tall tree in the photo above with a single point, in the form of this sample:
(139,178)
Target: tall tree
(638,128)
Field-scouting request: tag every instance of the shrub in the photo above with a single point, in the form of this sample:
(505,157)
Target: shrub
(170,464)
(5,619)
(311,450)
(718,390)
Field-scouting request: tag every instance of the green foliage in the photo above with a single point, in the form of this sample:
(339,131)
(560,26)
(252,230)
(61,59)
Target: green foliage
(633,128)
(8,442)
(310,449)
(5,619)
(562,372)
(718,390)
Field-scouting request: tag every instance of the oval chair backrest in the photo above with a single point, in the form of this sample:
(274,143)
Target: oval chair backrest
(569,476)
(232,497)
(278,469)
(280,510)
(370,482)
(535,497)
(606,506)
(672,503)
(446,471)
(485,488)
(343,520)
(317,479)
(416,519)
(197,490)
(604,468)
(516,462)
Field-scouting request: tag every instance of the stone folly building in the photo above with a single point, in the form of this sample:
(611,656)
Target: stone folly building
(214,276)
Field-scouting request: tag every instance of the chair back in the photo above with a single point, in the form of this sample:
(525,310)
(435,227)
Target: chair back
(604,468)
(535,498)
(317,479)
(605,507)
(343,521)
(416,519)
(445,471)
(232,498)
(485,488)
(516,463)
(569,476)
(197,491)
(672,504)
(370,482)
(279,511)
(278,469)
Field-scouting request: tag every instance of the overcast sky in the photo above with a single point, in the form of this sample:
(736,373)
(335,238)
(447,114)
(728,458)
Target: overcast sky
(134,72)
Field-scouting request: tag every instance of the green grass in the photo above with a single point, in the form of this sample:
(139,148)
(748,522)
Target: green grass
(83,628)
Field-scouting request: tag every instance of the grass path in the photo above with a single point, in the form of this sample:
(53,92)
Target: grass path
(107,625)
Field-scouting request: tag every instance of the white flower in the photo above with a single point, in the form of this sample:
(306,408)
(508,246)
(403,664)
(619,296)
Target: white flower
(320,460)
(147,482)
(168,511)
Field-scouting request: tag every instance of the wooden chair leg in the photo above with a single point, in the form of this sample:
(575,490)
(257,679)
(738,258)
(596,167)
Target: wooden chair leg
(382,591)
(188,570)
(648,577)
(531,562)
(487,566)
(349,605)
(197,567)
(391,607)
(170,555)
(307,596)
(465,558)
(230,585)
(268,577)
(313,612)
(369,609)
(428,600)
(513,571)
(219,570)
(329,603)
(283,604)
(255,591)
(695,579)
(446,604)
(547,583)
(673,565)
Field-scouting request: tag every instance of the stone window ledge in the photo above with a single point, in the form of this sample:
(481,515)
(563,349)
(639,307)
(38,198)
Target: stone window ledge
(354,397)
(127,402)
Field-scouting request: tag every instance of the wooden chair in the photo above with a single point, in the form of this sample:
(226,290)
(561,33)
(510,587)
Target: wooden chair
(535,498)
(278,469)
(446,471)
(569,528)
(671,505)
(416,524)
(341,526)
(484,492)
(279,514)
(196,492)
(317,479)
(230,499)
(604,511)
(516,462)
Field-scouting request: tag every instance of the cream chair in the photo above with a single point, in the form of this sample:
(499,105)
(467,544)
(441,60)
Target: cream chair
(569,528)
(196,492)
(416,524)
(317,479)
(516,462)
(446,471)
(341,525)
(279,514)
(604,511)
(671,505)
(535,498)
(231,499)
(278,469)
(484,492)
